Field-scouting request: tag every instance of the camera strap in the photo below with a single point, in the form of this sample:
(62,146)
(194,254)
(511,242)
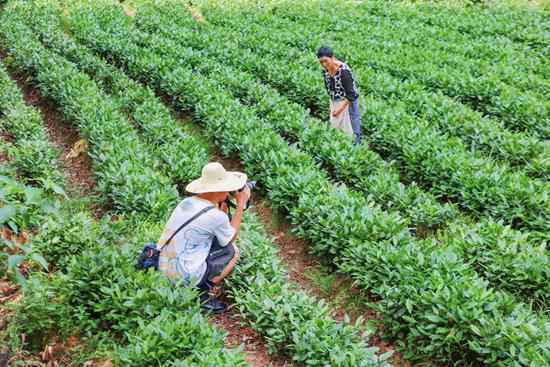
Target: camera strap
(201,212)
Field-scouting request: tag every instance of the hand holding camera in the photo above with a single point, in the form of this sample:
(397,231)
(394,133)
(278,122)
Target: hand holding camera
(242,196)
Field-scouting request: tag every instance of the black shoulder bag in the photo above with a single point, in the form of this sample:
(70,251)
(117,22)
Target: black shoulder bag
(149,257)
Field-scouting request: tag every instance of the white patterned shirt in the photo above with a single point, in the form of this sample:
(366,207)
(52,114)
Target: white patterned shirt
(184,258)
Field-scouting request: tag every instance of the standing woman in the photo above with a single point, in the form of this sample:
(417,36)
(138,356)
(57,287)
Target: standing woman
(344,99)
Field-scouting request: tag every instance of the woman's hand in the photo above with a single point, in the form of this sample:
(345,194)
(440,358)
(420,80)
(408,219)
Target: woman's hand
(338,111)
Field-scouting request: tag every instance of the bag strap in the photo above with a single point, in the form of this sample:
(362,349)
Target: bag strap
(201,212)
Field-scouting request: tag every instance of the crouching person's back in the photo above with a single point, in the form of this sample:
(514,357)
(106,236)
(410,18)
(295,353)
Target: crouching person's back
(203,251)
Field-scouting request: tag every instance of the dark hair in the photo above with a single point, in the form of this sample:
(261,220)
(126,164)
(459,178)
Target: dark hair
(324,52)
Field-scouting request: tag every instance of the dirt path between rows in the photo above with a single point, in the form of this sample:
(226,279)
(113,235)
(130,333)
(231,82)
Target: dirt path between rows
(238,334)
(64,136)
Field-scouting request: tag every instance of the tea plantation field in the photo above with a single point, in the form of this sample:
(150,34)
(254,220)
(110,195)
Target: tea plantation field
(438,222)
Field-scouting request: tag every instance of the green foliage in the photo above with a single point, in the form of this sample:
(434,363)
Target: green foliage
(299,79)
(513,89)
(107,297)
(360,167)
(42,313)
(177,339)
(125,169)
(432,295)
(24,207)
(100,291)
(36,161)
(370,244)
(68,234)
(506,257)
(32,154)
(183,154)
(286,316)
(12,255)
(445,166)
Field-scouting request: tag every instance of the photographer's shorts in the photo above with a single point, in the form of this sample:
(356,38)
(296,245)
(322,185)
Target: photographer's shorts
(216,261)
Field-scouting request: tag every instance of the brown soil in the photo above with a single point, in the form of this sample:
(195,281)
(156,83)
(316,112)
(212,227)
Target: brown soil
(7,137)
(65,136)
(292,250)
(238,334)
(55,353)
(62,133)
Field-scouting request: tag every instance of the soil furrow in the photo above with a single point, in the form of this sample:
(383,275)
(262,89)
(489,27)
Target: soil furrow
(240,335)
(74,159)
(6,138)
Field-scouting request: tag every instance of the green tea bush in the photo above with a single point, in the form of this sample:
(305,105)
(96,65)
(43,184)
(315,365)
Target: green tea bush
(285,316)
(388,261)
(506,257)
(396,47)
(296,184)
(443,165)
(60,237)
(23,207)
(182,153)
(233,79)
(301,84)
(127,299)
(34,157)
(125,169)
(177,339)
(99,290)
(42,313)
(358,166)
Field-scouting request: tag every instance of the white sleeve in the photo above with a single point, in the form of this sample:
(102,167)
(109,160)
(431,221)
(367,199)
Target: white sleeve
(224,231)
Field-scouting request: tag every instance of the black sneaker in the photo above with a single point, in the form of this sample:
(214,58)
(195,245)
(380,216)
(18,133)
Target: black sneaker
(214,305)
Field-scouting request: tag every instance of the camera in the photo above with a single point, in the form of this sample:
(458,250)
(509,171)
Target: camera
(251,185)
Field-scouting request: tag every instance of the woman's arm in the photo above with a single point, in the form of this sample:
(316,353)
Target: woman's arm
(347,83)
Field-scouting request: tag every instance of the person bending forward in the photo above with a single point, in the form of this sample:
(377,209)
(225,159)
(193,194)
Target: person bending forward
(344,99)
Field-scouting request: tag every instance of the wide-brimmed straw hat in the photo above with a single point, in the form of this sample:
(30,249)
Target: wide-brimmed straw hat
(216,179)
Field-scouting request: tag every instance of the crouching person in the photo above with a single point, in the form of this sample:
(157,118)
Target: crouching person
(199,237)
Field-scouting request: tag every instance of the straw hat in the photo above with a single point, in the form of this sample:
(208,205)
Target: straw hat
(215,178)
